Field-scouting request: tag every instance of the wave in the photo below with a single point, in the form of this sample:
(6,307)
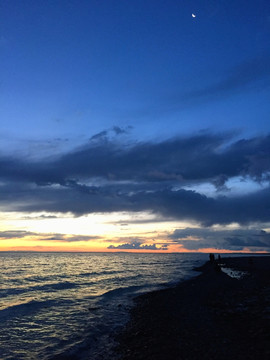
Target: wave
(30,306)
(11,291)
(56,286)
(120,291)
(101,273)
(4,293)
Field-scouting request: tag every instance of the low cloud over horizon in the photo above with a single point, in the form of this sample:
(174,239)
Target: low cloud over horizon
(233,240)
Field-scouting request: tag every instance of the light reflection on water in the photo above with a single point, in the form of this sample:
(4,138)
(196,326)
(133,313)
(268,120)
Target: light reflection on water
(50,302)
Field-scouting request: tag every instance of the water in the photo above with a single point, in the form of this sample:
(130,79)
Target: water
(71,303)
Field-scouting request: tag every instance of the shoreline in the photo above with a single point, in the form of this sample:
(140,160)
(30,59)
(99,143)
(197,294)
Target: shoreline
(211,316)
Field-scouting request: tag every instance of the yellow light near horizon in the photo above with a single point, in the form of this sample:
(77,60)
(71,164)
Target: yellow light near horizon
(32,243)
(84,225)
(104,225)
(102,229)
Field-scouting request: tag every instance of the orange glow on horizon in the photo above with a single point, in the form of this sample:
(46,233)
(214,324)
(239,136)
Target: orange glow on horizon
(95,233)
(57,248)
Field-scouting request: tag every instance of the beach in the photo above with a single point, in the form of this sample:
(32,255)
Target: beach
(215,315)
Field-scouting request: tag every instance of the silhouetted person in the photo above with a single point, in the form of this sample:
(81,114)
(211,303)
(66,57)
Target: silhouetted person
(212,257)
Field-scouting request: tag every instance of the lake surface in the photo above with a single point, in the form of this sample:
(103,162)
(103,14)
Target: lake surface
(71,303)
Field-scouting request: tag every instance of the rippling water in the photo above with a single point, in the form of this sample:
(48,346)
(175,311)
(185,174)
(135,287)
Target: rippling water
(70,303)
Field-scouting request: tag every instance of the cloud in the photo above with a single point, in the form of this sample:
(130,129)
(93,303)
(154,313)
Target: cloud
(14,234)
(147,176)
(118,131)
(180,159)
(167,203)
(40,217)
(99,135)
(235,240)
(115,130)
(68,238)
(142,220)
(21,234)
(137,246)
(248,74)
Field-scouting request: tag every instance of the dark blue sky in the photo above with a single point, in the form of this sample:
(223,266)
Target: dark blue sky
(74,68)
(136,97)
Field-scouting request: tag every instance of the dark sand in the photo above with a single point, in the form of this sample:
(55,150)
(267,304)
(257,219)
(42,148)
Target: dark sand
(212,316)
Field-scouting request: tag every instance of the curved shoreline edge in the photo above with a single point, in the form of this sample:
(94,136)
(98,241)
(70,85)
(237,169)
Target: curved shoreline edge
(211,316)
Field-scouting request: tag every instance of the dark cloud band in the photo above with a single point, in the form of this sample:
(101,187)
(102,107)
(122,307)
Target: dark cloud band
(106,176)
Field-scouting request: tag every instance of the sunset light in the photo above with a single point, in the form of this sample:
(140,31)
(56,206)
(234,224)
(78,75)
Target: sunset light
(134,179)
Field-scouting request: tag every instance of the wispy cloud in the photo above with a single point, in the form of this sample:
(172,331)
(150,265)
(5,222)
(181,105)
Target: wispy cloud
(114,131)
(14,234)
(247,74)
(22,234)
(253,74)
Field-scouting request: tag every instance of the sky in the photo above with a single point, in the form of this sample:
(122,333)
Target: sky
(135,125)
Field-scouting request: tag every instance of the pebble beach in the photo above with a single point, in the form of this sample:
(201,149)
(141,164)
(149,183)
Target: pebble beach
(223,313)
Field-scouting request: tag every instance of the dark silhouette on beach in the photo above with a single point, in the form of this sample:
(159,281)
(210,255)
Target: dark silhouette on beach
(212,257)
(210,317)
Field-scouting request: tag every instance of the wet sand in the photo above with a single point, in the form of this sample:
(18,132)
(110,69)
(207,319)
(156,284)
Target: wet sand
(212,316)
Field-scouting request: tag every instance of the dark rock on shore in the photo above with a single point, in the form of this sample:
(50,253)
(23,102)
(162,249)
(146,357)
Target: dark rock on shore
(212,316)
